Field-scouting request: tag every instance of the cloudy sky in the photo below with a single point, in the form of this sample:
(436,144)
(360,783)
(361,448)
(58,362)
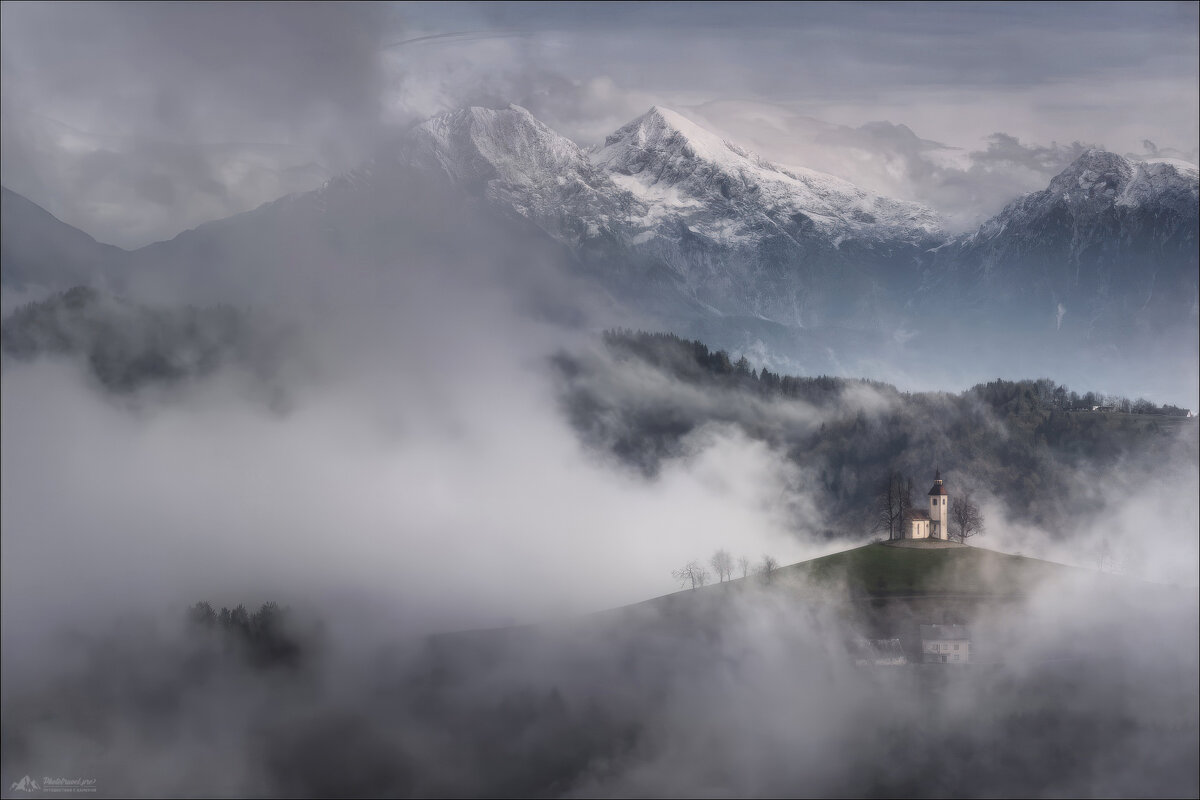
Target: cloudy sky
(136,121)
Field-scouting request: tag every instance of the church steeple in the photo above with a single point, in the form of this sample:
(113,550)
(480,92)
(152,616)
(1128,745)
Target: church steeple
(939,510)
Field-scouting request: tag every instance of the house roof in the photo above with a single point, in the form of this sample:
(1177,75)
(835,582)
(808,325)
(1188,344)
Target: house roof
(943,632)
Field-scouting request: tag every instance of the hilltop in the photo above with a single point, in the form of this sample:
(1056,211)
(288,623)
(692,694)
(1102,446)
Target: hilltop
(882,590)
(900,570)
(913,568)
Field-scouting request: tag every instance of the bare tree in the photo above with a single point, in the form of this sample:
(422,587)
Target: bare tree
(722,564)
(691,573)
(767,567)
(886,517)
(966,520)
(744,565)
(904,500)
(893,505)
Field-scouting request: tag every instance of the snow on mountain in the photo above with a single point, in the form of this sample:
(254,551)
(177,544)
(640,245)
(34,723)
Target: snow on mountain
(475,145)
(680,223)
(1098,183)
(729,230)
(659,168)
(1110,243)
(1161,180)
(686,173)
(522,165)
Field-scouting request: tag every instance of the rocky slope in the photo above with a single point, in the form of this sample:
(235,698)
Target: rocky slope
(684,230)
(38,250)
(667,205)
(1110,244)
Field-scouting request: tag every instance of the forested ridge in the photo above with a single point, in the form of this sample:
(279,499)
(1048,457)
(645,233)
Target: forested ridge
(126,345)
(1030,443)
(1033,444)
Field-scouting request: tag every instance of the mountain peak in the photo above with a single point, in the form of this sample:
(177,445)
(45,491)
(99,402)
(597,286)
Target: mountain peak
(711,185)
(483,122)
(1097,160)
(667,130)
(1096,176)
(477,144)
(1104,178)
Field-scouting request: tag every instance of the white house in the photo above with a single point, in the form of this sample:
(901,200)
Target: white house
(945,644)
(931,524)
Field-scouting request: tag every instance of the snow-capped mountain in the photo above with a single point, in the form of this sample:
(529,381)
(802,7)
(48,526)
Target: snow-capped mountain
(686,174)
(688,231)
(521,165)
(671,203)
(1110,242)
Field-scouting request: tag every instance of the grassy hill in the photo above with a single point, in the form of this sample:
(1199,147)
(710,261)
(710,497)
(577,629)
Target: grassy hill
(904,570)
(879,590)
(895,569)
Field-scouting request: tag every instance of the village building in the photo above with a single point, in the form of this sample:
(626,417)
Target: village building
(931,524)
(945,644)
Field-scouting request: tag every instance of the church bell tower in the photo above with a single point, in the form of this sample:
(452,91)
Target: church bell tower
(939,510)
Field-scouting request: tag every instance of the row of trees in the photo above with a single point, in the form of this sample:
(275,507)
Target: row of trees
(127,345)
(692,360)
(894,507)
(723,564)
(268,637)
(1046,394)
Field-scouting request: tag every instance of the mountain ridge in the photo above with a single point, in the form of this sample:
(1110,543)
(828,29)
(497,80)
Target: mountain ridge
(684,228)
(1109,246)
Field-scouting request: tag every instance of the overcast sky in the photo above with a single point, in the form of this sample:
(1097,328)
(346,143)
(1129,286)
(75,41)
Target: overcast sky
(136,121)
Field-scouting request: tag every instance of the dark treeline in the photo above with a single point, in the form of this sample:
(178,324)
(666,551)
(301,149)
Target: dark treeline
(1029,443)
(127,345)
(267,637)
(691,359)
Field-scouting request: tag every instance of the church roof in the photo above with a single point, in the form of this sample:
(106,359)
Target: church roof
(937,484)
(914,514)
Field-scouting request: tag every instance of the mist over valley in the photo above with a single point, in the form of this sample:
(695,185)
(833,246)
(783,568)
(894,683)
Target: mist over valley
(415,401)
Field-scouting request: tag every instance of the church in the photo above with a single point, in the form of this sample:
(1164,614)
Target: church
(930,524)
